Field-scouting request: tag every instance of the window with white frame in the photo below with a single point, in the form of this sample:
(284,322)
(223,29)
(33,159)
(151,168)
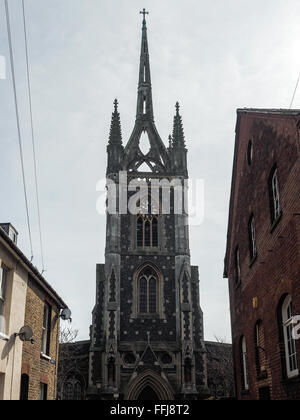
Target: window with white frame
(289,342)
(252,237)
(46,330)
(3,286)
(244,359)
(276,207)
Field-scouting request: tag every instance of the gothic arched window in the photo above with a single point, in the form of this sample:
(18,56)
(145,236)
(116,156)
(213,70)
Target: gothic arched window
(143,295)
(68,391)
(147,223)
(147,235)
(147,231)
(152,295)
(77,392)
(73,389)
(140,231)
(154,232)
(148,288)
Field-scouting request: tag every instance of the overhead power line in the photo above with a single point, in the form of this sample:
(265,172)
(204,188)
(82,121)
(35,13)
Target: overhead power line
(18,119)
(295,91)
(33,136)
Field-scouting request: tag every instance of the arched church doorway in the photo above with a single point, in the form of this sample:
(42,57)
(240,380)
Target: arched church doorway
(148,394)
(149,386)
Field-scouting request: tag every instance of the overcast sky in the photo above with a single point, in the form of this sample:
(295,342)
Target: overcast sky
(211,56)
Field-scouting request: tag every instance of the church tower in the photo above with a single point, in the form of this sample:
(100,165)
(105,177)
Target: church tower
(147,334)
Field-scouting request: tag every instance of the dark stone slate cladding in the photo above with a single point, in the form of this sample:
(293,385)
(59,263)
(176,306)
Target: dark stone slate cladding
(74,359)
(166,234)
(98,312)
(197,312)
(73,364)
(160,329)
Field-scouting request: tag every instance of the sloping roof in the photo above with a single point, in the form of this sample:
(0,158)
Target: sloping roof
(35,274)
(269,111)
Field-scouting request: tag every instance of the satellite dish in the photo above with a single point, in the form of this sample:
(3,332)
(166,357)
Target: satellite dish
(66,314)
(25,334)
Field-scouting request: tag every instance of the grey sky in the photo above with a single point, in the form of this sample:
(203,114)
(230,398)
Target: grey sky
(211,56)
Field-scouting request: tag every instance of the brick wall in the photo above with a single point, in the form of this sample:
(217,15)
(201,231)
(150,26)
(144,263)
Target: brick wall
(39,369)
(276,271)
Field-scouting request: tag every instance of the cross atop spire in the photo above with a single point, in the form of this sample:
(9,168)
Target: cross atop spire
(115,147)
(144,13)
(115,136)
(178,133)
(116,103)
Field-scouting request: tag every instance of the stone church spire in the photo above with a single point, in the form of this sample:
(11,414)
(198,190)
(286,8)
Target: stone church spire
(156,159)
(144,102)
(178,133)
(178,151)
(115,149)
(115,135)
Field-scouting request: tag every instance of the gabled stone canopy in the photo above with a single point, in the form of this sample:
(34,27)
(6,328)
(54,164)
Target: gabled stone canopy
(158,159)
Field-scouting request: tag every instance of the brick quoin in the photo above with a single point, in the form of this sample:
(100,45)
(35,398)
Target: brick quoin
(275,272)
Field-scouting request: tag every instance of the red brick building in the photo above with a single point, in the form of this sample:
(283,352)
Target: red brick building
(262,259)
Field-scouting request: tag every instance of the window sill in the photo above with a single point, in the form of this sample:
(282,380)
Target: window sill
(276,223)
(45,357)
(4,337)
